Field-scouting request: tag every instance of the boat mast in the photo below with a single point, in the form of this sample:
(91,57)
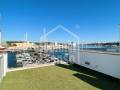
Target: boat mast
(26,37)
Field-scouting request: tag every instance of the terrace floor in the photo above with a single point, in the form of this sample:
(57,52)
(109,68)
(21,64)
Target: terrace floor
(60,77)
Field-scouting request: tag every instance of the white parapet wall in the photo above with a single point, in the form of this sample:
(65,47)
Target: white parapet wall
(3,64)
(104,62)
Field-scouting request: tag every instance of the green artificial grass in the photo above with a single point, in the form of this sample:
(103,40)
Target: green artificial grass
(60,77)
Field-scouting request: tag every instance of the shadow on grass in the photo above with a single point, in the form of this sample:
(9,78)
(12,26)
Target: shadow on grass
(93,78)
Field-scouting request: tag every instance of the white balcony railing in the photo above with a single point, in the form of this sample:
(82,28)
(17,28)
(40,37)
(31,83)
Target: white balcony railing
(3,64)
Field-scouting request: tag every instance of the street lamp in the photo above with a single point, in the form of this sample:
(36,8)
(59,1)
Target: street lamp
(0,38)
(0,30)
(119,34)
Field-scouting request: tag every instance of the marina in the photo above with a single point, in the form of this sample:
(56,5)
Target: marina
(59,45)
(31,56)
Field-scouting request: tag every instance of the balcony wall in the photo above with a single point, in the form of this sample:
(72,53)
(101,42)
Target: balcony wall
(104,62)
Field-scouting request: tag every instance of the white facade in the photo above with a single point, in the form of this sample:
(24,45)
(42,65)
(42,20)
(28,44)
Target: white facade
(3,65)
(104,62)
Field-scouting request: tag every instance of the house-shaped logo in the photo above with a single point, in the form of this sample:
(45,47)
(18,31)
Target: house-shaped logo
(68,32)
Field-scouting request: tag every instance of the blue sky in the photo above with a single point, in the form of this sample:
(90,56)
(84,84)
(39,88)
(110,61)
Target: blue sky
(91,20)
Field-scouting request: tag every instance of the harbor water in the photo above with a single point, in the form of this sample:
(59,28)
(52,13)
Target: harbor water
(11,60)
